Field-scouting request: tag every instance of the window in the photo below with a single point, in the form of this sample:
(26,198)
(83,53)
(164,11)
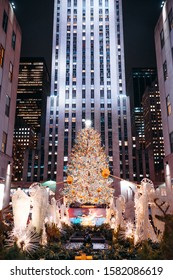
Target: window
(171,141)
(165,72)
(168,105)
(109,94)
(4,142)
(2,51)
(170,19)
(102,93)
(5,21)
(67,94)
(10,72)
(106,3)
(74,94)
(109,120)
(92,93)
(7,106)
(83,94)
(162,39)
(13,41)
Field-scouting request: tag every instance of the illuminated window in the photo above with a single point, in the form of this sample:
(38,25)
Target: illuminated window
(168,105)
(2,51)
(10,72)
(4,142)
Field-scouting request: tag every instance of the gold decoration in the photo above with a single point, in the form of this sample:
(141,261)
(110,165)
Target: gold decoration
(69,180)
(105,173)
(83,257)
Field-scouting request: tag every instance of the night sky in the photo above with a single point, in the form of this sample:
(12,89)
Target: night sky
(140,17)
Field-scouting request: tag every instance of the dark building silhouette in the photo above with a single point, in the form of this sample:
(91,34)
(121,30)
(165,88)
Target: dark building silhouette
(33,89)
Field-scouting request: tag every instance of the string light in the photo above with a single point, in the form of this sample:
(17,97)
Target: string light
(88,171)
(162,4)
(13,5)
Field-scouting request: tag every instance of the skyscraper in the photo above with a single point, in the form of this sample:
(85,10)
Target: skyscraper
(33,89)
(88,82)
(140,79)
(164,57)
(153,132)
(10,44)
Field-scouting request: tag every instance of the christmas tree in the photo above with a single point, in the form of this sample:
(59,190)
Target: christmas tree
(88,179)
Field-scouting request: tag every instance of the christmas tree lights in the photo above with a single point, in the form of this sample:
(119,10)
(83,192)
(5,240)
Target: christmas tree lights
(88,173)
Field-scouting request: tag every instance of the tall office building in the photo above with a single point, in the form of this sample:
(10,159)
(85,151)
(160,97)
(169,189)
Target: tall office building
(24,138)
(153,132)
(164,57)
(140,79)
(32,92)
(10,44)
(88,82)
(140,155)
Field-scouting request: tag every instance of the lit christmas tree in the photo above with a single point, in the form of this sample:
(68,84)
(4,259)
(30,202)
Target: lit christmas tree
(88,173)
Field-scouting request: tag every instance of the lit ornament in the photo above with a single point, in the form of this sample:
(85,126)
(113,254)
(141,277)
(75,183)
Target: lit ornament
(105,173)
(69,180)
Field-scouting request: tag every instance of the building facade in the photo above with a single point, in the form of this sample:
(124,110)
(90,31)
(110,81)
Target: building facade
(153,129)
(32,92)
(164,56)
(140,155)
(88,82)
(24,138)
(10,45)
(141,78)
